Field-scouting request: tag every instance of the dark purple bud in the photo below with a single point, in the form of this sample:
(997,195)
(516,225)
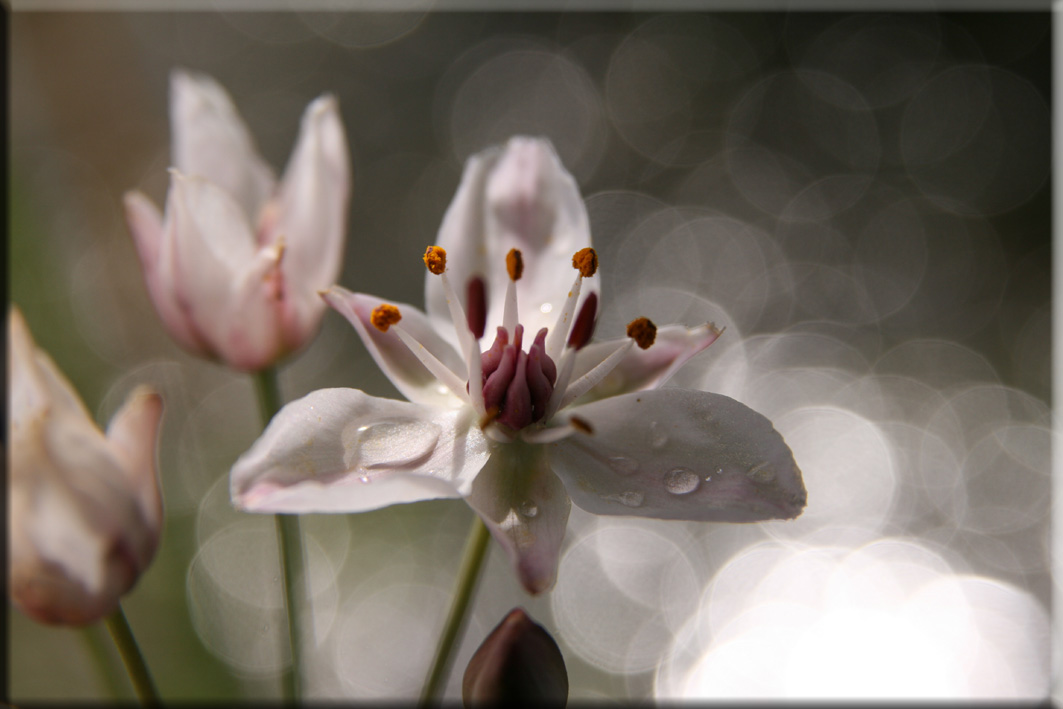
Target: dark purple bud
(518,663)
(476,307)
(583,328)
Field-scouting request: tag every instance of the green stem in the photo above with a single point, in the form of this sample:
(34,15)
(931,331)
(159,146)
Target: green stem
(134,661)
(113,679)
(471,564)
(289,540)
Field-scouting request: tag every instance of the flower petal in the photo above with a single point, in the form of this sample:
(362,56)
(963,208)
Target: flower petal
(392,355)
(155,249)
(220,277)
(679,454)
(210,140)
(311,214)
(341,450)
(644,369)
(37,386)
(525,506)
(518,197)
(133,435)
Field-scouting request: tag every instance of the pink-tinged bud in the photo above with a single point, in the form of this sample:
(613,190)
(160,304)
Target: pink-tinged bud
(235,264)
(518,663)
(583,327)
(86,510)
(476,307)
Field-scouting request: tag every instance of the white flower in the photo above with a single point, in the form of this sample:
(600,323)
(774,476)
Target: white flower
(85,507)
(519,433)
(235,265)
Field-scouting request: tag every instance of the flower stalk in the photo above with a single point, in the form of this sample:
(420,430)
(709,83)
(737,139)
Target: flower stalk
(127,646)
(471,564)
(289,541)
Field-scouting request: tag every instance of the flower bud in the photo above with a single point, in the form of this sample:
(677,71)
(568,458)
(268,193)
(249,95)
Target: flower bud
(235,263)
(518,663)
(85,506)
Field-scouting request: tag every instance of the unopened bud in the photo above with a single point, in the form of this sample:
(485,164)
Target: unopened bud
(518,663)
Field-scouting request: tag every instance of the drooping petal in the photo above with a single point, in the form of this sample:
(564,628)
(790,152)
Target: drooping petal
(311,215)
(525,506)
(220,275)
(520,197)
(146,225)
(643,369)
(679,454)
(210,140)
(392,355)
(341,450)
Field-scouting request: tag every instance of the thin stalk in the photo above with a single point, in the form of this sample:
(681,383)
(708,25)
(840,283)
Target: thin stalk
(134,661)
(112,676)
(472,560)
(289,541)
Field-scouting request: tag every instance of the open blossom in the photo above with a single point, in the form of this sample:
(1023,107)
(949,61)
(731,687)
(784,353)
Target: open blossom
(85,506)
(235,265)
(510,407)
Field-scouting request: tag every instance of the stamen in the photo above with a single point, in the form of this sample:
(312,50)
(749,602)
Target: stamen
(586,262)
(432,363)
(583,328)
(477,302)
(435,258)
(587,382)
(642,331)
(581,425)
(384,316)
(515,264)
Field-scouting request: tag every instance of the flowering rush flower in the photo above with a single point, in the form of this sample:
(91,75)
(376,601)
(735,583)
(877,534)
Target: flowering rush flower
(235,265)
(85,507)
(538,418)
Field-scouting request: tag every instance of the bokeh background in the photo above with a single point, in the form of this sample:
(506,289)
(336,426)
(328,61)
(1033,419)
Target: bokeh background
(863,201)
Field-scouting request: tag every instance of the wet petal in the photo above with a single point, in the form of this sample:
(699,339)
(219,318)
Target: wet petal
(679,454)
(392,355)
(210,140)
(643,369)
(156,259)
(526,508)
(311,213)
(341,450)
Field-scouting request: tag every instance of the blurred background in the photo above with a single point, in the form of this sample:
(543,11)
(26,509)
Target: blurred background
(861,199)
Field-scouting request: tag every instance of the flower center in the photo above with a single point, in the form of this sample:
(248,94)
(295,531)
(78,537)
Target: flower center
(517,384)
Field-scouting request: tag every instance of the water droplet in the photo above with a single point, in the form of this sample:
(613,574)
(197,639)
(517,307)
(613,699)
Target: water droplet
(391,444)
(762,473)
(364,479)
(623,464)
(657,437)
(546,308)
(681,481)
(628,499)
(528,508)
